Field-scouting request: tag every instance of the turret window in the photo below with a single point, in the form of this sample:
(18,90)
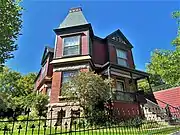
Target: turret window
(71,46)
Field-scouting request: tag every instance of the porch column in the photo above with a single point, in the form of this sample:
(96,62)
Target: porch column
(149,84)
(131,77)
(132,82)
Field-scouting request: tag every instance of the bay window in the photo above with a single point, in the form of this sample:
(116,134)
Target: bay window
(71,46)
(122,57)
(68,74)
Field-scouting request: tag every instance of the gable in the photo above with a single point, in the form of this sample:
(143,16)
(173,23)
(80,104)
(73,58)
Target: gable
(46,51)
(118,37)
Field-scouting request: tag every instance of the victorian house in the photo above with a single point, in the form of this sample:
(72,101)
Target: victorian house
(78,49)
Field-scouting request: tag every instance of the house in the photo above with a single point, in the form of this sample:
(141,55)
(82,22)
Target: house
(77,48)
(169,96)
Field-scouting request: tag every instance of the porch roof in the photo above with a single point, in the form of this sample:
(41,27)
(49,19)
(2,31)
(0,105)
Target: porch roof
(122,71)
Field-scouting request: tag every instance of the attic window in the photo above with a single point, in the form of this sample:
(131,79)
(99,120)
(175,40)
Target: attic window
(71,46)
(122,57)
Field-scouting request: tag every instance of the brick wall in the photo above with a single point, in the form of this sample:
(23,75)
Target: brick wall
(99,52)
(170,96)
(130,59)
(55,89)
(84,45)
(112,54)
(127,110)
(58,48)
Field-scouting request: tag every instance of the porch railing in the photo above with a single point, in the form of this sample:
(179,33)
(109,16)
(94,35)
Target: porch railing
(124,96)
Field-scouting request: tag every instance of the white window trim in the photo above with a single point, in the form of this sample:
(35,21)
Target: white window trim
(121,57)
(71,45)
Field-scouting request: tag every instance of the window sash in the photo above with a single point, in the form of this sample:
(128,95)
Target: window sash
(71,45)
(71,50)
(122,57)
(67,75)
(48,92)
(121,54)
(122,62)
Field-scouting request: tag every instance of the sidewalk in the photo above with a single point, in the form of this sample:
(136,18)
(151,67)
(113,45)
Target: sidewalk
(176,133)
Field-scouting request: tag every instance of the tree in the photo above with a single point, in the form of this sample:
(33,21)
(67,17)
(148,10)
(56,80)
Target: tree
(166,63)
(90,89)
(10,26)
(17,93)
(176,15)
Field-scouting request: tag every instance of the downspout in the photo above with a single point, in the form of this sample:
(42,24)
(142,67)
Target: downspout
(110,99)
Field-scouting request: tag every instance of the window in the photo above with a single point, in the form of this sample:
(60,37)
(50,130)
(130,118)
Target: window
(48,91)
(120,86)
(43,70)
(122,57)
(71,45)
(68,74)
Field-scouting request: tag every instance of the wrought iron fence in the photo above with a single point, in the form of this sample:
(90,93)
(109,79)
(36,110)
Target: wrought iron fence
(116,122)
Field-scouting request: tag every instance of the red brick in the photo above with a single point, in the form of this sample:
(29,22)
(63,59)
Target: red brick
(127,110)
(56,85)
(84,45)
(112,54)
(99,52)
(130,59)
(58,47)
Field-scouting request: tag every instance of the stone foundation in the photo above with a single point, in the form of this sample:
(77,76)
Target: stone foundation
(60,113)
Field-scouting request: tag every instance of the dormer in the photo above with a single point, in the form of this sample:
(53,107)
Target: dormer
(120,49)
(73,36)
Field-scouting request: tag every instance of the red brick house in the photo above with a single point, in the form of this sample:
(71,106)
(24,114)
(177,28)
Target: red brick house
(77,48)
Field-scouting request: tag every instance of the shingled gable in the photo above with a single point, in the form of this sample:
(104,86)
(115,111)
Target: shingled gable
(75,17)
(118,36)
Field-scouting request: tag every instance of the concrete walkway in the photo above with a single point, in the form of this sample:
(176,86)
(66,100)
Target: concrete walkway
(176,133)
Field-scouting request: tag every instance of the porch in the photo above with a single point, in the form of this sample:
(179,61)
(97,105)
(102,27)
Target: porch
(126,83)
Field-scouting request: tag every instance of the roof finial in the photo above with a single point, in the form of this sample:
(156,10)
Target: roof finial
(77,9)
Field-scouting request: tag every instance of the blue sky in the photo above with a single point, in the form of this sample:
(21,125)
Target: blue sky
(147,25)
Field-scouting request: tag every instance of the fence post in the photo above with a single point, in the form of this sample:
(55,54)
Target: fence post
(28,111)
(5,129)
(14,115)
(19,129)
(51,120)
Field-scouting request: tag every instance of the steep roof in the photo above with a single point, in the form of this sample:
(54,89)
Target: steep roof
(75,17)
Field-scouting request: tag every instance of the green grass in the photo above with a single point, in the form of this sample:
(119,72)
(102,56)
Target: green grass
(112,131)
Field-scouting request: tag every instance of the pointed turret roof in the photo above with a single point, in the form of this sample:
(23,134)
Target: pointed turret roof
(75,17)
